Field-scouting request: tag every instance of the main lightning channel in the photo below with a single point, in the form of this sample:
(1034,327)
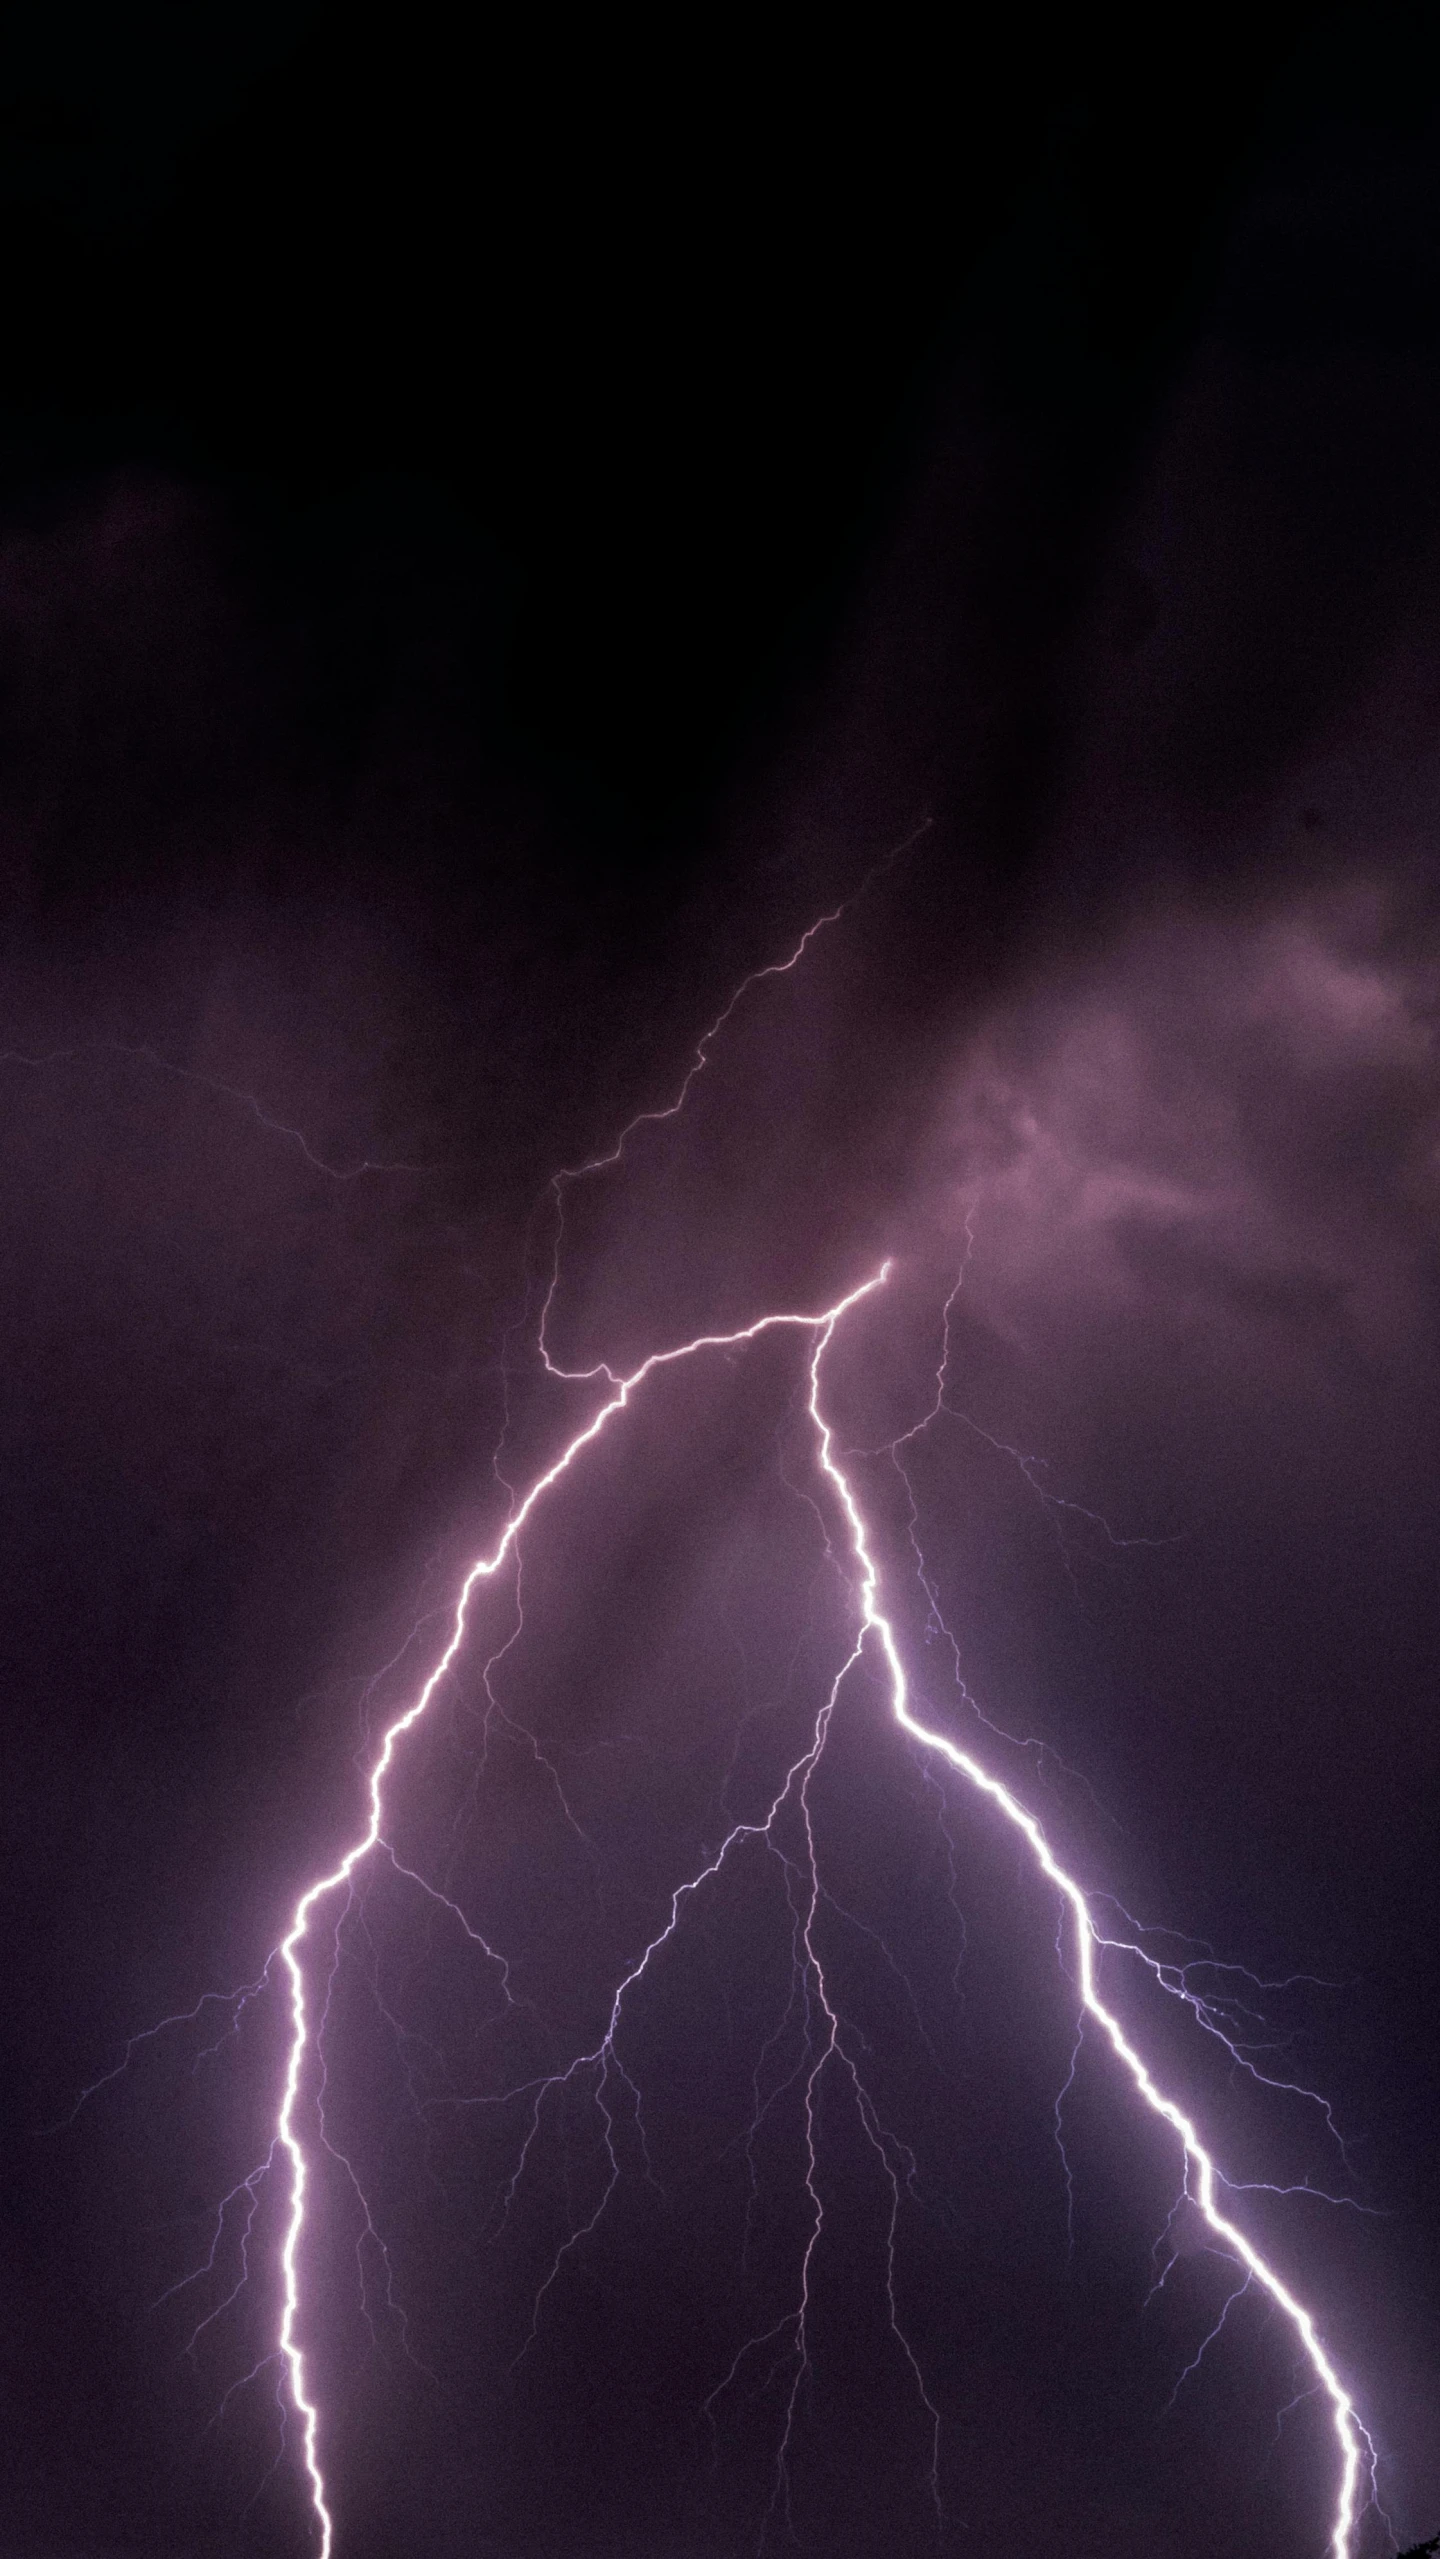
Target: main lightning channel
(1356,2450)
(301,2043)
(1202,2177)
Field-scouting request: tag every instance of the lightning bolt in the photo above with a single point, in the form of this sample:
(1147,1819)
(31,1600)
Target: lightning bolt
(786,1832)
(1203,2180)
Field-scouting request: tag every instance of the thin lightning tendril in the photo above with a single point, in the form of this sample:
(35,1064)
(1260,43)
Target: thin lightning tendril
(655,1117)
(213,1084)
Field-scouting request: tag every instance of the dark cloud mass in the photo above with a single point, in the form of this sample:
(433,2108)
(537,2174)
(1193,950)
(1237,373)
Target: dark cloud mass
(426,700)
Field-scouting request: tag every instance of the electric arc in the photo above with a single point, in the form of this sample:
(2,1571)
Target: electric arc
(1090,1949)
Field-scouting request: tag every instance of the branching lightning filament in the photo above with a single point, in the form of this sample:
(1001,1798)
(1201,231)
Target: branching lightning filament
(876,1638)
(1089,1947)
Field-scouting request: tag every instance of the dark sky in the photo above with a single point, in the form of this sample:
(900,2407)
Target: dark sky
(501,527)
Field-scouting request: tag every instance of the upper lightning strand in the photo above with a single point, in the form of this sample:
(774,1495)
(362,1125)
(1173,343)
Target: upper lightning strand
(662,1112)
(1356,2450)
(226,1092)
(700,1054)
(484,1569)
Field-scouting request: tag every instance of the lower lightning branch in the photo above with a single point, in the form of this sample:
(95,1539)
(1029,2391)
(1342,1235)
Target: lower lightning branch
(301,2039)
(1356,2450)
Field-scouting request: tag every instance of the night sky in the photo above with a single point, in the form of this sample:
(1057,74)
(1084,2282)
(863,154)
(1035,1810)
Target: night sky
(503,526)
